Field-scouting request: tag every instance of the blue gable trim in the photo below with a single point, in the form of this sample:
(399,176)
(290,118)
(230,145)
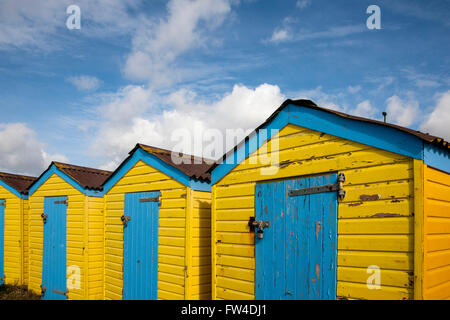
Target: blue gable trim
(436,157)
(13,191)
(158,164)
(54,170)
(371,134)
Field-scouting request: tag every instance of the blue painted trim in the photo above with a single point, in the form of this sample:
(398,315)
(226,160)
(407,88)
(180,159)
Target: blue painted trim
(54,170)
(13,191)
(436,157)
(371,134)
(158,164)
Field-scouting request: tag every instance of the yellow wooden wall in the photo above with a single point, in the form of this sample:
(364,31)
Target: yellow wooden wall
(436,262)
(370,232)
(200,239)
(26,222)
(184,241)
(13,236)
(84,233)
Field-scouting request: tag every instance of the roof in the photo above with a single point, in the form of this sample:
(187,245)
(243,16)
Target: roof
(194,167)
(439,142)
(18,182)
(88,178)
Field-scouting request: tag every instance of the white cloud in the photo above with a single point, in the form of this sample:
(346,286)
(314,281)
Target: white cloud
(156,46)
(438,121)
(354,89)
(401,112)
(39,24)
(280,35)
(85,83)
(303,3)
(364,109)
(130,117)
(321,98)
(21,152)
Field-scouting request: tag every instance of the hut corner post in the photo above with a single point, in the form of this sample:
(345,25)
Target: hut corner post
(418,228)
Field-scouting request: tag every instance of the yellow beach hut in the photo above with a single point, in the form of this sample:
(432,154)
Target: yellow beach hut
(157,227)
(66,240)
(318,204)
(14,228)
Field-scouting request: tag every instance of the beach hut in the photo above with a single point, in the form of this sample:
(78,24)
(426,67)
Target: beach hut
(14,228)
(157,227)
(318,204)
(66,233)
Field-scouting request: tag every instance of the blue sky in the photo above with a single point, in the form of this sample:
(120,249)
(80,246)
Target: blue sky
(138,70)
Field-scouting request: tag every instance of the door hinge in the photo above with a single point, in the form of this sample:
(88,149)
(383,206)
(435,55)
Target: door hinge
(153,199)
(321,189)
(125,220)
(44,217)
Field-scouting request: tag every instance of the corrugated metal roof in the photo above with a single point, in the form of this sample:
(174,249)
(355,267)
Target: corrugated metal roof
(88,178)
(440,142)
(18,182)
(196,167)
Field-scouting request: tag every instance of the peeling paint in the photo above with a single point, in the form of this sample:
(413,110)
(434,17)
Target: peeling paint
(373,197)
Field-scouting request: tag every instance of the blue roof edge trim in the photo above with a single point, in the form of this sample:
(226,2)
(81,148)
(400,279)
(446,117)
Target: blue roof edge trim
(158,164)
(54,170)
(13,191)
(436,157)
(371,134)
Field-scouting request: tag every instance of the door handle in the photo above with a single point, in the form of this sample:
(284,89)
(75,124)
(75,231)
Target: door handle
(125,220)
(43,289)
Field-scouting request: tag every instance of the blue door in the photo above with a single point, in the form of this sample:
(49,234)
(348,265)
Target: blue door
(2,240)
(140,248)
(296,257)
(54,274)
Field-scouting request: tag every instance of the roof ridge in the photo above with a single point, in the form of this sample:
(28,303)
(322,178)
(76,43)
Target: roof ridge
(172,151)
(82,168)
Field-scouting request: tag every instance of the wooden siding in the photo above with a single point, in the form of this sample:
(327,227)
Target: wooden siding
(76,242)
(172,231)
(26,232)
(200,241)
(13,244)
(375,221)
(436,274)
(95,253)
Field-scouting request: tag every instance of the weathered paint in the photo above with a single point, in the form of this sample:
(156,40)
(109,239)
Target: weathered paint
(296,259)
(183,235)
(84,241)
(371,230)
(54,249)
(14,224)
(436,260)
(140,242)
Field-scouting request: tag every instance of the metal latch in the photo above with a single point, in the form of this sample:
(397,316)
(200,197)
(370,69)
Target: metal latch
(62,292)
(61,202)
(44,217)
(2,204)
(125,220)
(325,188)
(260,225)
(43,289)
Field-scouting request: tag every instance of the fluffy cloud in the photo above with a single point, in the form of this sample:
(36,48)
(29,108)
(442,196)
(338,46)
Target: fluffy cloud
(21,152)
(85,83)
(401,112)
(157,45)
(438,121)
(130,117)
(280,35)
(364,109)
